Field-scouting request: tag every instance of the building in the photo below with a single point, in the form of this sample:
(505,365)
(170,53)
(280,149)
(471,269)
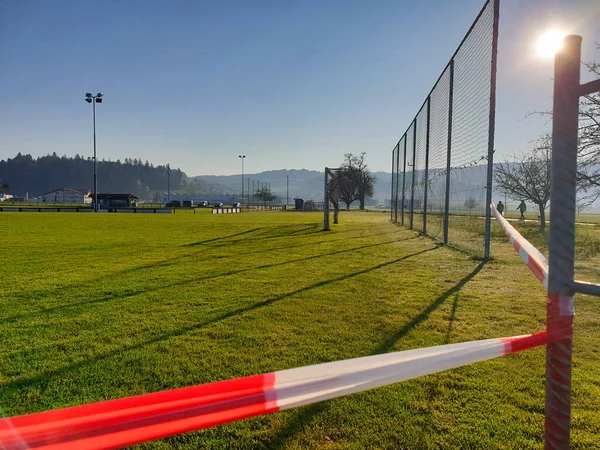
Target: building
(68,195)
(117,201)
(5,197)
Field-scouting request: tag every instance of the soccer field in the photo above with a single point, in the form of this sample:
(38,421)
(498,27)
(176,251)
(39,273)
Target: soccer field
(101,306)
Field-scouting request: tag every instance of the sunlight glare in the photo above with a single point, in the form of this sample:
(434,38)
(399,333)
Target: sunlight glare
(550,42)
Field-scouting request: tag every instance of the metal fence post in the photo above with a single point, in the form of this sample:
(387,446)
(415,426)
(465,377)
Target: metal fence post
(412,184)
(326,204)
(397,177)
(491,130)
(448,152)
(563,197)
(404,179)
(392,192)
(426,167)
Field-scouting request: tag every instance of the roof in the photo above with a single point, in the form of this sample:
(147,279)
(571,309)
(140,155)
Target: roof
(117,196)
(66,189)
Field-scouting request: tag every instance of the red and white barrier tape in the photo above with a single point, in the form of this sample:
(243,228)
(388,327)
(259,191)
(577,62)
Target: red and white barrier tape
(117,423)
(530,255)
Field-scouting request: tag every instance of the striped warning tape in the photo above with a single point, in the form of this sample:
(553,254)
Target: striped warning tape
(117,423)
(530,255)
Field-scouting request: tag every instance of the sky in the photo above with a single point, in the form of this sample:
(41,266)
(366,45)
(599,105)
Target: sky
(289,84)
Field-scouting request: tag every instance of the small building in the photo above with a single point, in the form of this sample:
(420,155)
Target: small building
(117,200)
(68,195)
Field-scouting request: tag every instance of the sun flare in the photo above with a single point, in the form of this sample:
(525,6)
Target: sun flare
(550,42)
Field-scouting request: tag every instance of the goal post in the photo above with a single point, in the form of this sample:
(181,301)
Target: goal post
(329,174)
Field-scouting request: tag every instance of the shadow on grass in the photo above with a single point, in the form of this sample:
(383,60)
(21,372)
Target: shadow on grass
(300,420)
(307,414)
(221,238)
(423,315)
(179,282)
(47,376)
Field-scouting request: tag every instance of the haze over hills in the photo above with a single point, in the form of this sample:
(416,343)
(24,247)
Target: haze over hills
(37,176)
(306,184)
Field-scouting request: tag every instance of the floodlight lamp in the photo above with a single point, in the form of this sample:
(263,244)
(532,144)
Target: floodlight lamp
(99,94)
(89,100)
(98,100)
(88,95)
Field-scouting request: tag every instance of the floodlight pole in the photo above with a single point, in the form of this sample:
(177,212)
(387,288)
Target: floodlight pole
(168,183)
(242,157)
(563,198)
(95,158)
(326,203)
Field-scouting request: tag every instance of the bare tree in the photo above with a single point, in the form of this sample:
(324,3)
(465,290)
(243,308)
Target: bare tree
(265,195)
(471,203)
(3,186)
(356,180)
(588,151)
(588,172)
(528,177)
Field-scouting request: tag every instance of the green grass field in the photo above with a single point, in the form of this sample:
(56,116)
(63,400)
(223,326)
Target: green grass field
(102,306)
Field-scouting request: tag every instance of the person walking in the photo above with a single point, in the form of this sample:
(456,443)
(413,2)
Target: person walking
(500,207)
(522,207)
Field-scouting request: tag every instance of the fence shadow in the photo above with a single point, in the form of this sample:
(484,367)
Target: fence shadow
(47,376)
(124,295)
(423,315)
(307,414)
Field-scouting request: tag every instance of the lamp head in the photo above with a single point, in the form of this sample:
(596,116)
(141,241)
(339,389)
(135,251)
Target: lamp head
(88,95)
(99,94)
(88,99)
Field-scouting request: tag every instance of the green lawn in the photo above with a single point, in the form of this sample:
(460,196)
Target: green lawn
(99,306)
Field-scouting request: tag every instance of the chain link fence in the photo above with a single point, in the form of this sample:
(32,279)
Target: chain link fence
(442,165)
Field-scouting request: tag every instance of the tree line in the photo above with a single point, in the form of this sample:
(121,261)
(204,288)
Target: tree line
(37,176)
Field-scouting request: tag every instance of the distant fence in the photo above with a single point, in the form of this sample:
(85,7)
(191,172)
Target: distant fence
(226,210)
(87,209)
(442,165)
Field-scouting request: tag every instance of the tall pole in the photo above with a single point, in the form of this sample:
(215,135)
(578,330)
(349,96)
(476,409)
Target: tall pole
(242,157)
(392,191)
(426,167)
(287,195)
(412,183)
(563,198)
(491,130)
(325,203)
(448,154)
(168,183)
(248,193)
(95,159)
(404,176)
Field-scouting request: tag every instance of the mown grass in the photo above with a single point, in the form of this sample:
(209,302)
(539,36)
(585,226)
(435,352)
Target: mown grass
(105,306)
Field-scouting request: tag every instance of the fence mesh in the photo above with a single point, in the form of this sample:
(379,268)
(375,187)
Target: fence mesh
(420,166)
(400,193)
(470,134)
(451,204)
(409,181)
(438,156)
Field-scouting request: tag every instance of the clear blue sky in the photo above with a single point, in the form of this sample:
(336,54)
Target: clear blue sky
(290,84)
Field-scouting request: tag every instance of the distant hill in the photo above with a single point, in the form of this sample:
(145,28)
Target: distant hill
(36,176)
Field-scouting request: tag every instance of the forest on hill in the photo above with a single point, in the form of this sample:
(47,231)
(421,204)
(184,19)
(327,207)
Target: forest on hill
(37,176)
